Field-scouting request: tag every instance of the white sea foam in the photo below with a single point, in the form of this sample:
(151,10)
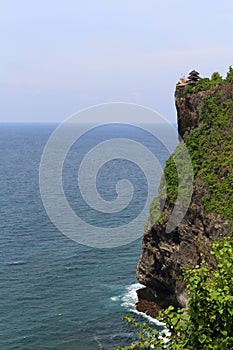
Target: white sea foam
(115,298)
(129,298)
(128,301)
(17,262)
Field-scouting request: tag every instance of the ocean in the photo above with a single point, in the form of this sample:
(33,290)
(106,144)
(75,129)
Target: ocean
(57,293)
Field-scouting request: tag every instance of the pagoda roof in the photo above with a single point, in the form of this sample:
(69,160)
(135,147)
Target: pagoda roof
(193,76)
(193,72)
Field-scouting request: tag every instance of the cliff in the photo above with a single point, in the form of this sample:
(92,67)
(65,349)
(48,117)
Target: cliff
(205,123)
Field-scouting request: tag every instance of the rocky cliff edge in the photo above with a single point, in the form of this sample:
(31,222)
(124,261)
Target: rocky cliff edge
(164,255)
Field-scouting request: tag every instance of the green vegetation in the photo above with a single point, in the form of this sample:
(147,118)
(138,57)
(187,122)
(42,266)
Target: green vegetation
(229,78)
(207,321)
(168,190)
(211,151)
(207,84)
(177,179)
(210,147)
(190,89)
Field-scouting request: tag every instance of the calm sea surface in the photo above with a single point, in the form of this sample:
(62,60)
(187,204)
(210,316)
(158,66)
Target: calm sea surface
(56,293)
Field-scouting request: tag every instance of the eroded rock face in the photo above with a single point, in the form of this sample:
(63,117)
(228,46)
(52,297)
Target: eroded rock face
(163,255)
(189,107)
(147,302)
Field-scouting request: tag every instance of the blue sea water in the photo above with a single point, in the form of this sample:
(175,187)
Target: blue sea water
(56,293)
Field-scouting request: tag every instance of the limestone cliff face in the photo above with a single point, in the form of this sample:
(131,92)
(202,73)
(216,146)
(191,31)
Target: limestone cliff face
(163,255)
(189,108)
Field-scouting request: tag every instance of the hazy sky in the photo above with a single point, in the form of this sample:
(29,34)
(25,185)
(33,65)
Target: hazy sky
(58,57)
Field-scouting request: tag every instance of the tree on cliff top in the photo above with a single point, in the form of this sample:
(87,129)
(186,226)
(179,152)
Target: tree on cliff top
(229,77)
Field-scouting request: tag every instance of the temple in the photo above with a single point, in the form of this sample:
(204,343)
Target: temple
(192,80)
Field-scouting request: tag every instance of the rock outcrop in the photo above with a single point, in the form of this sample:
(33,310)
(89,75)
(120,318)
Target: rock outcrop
(163,255)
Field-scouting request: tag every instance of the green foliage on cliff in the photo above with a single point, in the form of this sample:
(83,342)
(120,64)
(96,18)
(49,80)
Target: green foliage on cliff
(211,150)
(176,181)
(207,321)
(229,77)
(207,84)
(210,147)
(168,188)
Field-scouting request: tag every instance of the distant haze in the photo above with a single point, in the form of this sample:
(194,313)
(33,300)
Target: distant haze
(58,57)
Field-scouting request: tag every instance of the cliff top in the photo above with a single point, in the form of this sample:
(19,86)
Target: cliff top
(197,84)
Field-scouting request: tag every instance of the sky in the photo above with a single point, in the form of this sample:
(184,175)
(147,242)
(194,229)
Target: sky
(59,57)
